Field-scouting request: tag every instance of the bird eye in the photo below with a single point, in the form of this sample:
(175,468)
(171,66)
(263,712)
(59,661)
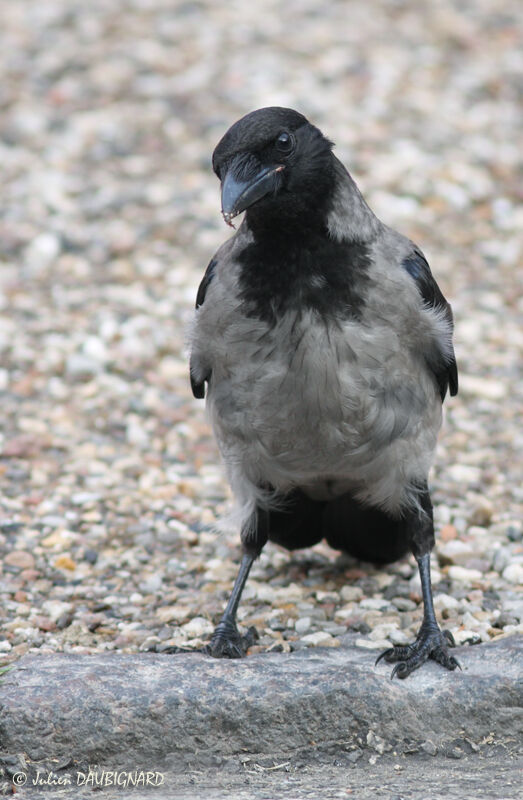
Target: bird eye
(285,142)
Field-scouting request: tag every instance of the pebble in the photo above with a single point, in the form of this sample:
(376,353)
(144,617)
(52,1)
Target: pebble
(429,748)
(445,601)
(370,644)
(55,609)
(302,625)
(377,743)
(375,604)
(482,387)
(455,552)
(403,604)
(65,562)
(320,639)
(382,632)
(42,251)
(482,509)
(464,575)
(350,593)
(197,627)
(20,559)
(514,573)
(82,367)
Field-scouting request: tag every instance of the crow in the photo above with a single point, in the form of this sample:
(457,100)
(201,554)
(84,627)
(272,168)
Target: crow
(326,347)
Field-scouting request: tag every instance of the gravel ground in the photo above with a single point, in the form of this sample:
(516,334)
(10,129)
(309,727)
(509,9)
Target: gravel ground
(110,482)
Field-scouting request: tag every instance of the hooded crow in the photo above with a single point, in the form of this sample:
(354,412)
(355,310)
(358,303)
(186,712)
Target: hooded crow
(326,347)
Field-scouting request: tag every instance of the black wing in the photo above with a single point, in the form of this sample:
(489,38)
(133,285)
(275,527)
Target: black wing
(204,285)
(445,370)
(198,386)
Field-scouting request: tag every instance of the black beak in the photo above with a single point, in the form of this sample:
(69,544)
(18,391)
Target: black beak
(239,193)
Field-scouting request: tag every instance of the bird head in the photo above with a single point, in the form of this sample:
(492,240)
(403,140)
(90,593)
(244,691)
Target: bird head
(275,165)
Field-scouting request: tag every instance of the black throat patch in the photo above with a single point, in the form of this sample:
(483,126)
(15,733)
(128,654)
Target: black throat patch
(280,274)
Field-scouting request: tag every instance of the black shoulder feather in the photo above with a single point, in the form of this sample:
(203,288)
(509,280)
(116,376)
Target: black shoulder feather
(204,285)
(198,386)
(445,370)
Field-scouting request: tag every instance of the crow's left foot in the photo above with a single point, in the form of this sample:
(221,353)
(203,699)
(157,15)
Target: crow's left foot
(431,643)
(228,642)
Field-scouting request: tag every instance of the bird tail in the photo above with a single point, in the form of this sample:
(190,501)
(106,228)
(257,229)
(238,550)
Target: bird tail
(368,534)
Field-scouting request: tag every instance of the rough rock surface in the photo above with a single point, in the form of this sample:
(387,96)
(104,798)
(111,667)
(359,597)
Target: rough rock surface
(112,708)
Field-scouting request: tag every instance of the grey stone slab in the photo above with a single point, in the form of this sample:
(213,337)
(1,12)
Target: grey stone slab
(188,707)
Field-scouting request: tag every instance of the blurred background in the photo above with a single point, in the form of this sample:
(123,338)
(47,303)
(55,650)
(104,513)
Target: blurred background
(109,480)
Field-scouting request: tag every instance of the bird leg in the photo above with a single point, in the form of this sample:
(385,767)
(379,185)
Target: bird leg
(227,641)
(431,641)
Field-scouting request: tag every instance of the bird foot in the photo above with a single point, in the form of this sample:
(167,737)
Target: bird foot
(228,642)
(430,643)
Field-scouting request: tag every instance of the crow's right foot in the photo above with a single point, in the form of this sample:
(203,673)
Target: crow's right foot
(228,642)
(430,643)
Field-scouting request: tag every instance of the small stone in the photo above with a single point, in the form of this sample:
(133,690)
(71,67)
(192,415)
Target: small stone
(84,498)
(429,748)
(359,626)
(482,510)
(197,627)
(464,474)
(447,533)
(514,573)
(403,604)
(80,367)
(368,644)
(136,434)
(445,601)
(302,625)
(59,538)
(455,552)
(502,558)
(351,593)
(20,559)
(65,562)
(400,637)
(151,584)
(42,251)
(505,619)
(482,387)
(177,613)
(377,743)
(375,604)
(29,575)
(327,597)
(465,636)
(95,348)
(320,639)
(464,575)
(54,609)
(44,623)
(381,632)
(91,556)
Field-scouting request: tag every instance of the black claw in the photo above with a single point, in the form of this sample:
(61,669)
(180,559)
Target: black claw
(449,637)
(383,655)
(401,670)
(228,642)
(431,643)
